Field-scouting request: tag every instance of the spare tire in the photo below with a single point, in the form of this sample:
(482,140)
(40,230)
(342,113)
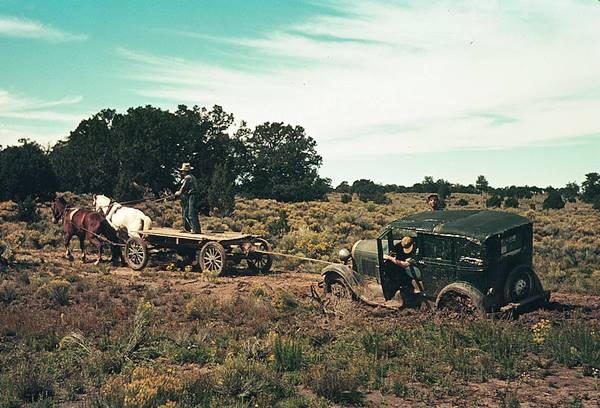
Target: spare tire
(519,285)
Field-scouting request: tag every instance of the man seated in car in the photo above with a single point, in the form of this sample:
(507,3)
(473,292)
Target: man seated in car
(409,275)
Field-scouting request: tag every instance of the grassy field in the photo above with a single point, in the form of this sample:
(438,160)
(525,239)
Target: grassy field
(74,334)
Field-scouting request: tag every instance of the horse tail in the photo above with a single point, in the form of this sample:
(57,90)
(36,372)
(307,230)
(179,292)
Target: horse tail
(146,223)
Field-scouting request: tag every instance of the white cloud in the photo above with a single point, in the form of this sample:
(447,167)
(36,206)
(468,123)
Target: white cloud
(24,28)
(407,77)
(32,118)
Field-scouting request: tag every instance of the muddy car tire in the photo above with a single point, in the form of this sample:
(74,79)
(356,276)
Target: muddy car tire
(519,285)
(337,293)
(461,298)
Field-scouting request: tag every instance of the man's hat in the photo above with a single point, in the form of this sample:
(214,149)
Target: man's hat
(407,245)
(186,167)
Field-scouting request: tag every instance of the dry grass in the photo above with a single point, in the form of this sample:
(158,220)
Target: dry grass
(106,340)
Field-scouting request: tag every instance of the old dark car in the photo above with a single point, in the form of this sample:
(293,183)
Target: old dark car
(478,259)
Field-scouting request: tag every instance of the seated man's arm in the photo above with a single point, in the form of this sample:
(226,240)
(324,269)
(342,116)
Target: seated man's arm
(399,262)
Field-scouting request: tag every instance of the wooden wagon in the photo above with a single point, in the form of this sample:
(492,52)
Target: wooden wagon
(213,250)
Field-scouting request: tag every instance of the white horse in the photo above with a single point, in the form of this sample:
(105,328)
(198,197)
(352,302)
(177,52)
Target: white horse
(132,219)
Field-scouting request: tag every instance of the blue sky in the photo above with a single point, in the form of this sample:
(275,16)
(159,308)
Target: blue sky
(391,90)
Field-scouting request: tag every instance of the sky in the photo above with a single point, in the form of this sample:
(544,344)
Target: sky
(391,90)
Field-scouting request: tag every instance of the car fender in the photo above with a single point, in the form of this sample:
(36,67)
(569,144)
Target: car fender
(350,277)
(464,288)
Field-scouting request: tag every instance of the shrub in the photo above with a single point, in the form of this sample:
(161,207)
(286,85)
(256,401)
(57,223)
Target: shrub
(27,210)
(280,226)
(511,202)
(192,352)
(462,202)
(8,292)
(32,381)
(221,194)
(246,380)
(202,308)
(493,201)
(285,300)
(596,204)
(553,201)
(346,198)
(289,354)
(58,291)
(334,384)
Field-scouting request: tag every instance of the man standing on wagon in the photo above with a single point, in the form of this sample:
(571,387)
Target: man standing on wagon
(188,192)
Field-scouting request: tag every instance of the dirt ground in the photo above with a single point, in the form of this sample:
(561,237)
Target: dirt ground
(561,387)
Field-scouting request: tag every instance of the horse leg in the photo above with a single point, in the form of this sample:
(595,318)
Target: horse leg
(82,246)
(68,237)
(98,244)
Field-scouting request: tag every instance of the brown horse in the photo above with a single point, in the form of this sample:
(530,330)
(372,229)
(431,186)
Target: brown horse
(85,224)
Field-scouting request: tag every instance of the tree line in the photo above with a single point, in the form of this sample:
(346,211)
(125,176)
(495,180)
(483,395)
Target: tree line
(136,153)
(367,190)
(133,154)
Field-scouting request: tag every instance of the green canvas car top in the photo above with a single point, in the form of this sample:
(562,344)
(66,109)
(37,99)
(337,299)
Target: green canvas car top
(478,225)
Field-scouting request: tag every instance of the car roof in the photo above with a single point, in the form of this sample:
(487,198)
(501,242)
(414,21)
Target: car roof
(476,224)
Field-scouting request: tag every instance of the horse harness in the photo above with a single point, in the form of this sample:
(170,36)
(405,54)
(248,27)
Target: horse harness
(112,209)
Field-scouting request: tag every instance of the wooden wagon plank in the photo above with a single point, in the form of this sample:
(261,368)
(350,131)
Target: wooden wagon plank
(205,236)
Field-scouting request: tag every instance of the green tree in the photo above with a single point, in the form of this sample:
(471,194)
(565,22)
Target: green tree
(590,188)
(511,202)
(343,187)
(570,192)
(282,164)
(482,184)
(494,201)
(89,159)
(554,200)
(221,192)
(25,171)
(150,146)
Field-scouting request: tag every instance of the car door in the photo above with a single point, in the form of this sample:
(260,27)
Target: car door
(437,262)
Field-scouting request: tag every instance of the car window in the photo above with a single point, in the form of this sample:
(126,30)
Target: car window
(469,254)
(436,247)
(510,243)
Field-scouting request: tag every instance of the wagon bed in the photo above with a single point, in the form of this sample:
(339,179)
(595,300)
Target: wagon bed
(212,249)
(217,236)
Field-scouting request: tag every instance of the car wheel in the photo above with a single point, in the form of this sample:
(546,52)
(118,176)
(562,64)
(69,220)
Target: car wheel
(337,293)
(461,299)
(519,284)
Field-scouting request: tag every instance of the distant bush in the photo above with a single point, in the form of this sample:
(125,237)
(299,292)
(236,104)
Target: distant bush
(462,202)
(511,202)
(493,201)
(596,205)
(346,198)
(27,210)
(554,201)
(280,226)
(221,194)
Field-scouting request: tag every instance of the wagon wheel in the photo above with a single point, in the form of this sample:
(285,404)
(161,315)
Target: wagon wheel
(136,253)
(212,258)
(258,261)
